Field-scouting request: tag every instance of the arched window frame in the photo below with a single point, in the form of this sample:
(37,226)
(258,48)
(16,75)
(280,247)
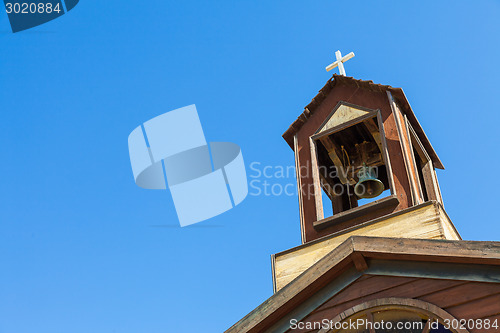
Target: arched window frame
(432,311)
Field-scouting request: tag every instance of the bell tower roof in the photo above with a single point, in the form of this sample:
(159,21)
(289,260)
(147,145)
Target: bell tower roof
(367,85)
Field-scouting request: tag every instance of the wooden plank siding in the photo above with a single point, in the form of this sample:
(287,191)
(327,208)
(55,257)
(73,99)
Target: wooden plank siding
(404,140)
(427,221)
(462,299)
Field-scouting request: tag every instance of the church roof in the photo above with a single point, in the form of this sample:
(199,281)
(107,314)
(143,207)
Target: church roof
(397,93)
(441,259)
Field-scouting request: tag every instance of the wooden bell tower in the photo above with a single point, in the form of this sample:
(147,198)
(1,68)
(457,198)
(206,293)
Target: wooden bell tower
(349,124)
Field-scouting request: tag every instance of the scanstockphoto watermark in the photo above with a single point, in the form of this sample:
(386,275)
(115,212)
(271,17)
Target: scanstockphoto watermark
(364,324)
(278,180)
(361,324)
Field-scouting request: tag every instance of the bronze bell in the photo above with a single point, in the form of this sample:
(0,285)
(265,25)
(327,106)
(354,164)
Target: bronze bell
(368,185)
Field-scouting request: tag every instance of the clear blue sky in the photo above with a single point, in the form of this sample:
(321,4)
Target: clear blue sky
(83,249)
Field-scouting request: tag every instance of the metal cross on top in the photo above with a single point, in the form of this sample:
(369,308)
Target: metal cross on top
(340,62)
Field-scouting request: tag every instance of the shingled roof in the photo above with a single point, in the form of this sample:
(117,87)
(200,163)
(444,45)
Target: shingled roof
(397,93)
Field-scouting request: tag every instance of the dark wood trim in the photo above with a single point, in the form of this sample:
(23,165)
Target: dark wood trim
(390,201)
(385,154)
(318,199)
(419,188)
(431,185)
(447,268)
(299,187)
(397,113)
(417,140)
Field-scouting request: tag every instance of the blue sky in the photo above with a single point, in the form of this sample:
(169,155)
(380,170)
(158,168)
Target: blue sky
(83,249)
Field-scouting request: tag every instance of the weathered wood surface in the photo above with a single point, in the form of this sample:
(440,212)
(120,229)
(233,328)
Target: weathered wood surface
(461,299)
(427,221)
(299,186)
(316,181)
(321,279)
(404,143)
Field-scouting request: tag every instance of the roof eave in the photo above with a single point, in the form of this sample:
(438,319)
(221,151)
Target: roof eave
(341,258)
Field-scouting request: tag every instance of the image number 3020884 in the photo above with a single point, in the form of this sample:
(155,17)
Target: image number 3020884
(26,14)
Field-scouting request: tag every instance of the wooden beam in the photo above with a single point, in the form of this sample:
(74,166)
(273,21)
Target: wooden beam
(430,182)
(418,182)
(374,131)
(438,250)
(397,117)
(437,188)
(334,157)
(316,181)
(385,155)
(299,187)
(359,261)
(389,201)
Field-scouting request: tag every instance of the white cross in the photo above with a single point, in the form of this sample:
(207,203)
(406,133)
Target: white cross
(340,62)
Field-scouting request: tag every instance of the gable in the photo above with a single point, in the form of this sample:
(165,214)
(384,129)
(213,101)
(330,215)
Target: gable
(342,113)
